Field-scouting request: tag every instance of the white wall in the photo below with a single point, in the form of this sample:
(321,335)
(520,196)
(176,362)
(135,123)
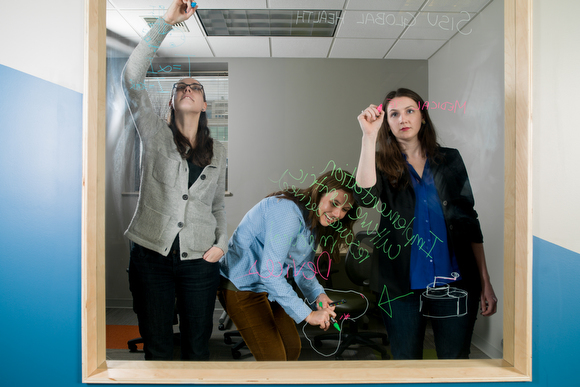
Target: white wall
(470,69)
(556,123)
(47,44)
(289,114)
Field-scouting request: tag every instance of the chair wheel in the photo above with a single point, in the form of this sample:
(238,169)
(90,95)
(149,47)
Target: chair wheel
(339,357)
(385,356)
(236,354)
(132,348)
(228,340)
(317,343)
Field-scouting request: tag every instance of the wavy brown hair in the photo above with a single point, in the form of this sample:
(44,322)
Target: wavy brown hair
(389,156)
(331,238)
(202,153)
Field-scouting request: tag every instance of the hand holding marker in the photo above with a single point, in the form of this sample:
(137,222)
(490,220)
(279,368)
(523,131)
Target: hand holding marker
(332,320)
(340,302)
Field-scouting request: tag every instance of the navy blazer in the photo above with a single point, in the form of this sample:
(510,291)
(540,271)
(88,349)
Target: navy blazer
(397,208)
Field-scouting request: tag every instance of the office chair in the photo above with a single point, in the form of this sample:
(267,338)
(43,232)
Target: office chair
(224,322)
(363,273)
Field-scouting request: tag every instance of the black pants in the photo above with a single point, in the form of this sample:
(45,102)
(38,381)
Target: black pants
(157,283)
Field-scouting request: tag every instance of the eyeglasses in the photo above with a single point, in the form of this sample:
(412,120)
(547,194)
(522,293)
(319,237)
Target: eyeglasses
(193,86)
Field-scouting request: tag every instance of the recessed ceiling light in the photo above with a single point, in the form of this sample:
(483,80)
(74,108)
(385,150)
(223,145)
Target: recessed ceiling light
(269,22)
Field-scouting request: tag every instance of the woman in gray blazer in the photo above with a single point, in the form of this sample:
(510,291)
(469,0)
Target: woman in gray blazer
(179,225)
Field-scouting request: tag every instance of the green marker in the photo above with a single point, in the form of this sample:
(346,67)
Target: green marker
(331,319)
(335,323)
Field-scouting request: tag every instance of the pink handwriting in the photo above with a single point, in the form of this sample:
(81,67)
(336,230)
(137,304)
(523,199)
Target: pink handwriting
(449,106)
(272,269)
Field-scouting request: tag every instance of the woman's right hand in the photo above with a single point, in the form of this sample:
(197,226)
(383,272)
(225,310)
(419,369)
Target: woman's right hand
(179,11)
(321,318)
(370,120)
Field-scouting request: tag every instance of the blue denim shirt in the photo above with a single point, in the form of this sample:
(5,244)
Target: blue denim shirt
(430,257)
(271,244)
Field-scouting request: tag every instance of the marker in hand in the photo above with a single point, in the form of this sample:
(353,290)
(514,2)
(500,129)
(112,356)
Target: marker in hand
(193,4)
(332,320)
(380,108)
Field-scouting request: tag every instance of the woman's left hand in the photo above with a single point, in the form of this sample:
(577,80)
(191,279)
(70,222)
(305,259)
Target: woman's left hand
(488,300)
(323,298)
(213,254)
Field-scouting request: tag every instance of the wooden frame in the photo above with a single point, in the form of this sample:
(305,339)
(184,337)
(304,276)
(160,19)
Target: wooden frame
(516,364)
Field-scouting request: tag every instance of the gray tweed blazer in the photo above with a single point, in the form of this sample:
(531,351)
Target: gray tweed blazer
(166,206)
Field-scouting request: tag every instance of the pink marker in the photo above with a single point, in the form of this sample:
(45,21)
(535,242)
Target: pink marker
(380,108)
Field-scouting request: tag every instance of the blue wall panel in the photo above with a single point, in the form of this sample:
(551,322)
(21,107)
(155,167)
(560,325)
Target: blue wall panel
(40,234)
(40,240)
(556,316)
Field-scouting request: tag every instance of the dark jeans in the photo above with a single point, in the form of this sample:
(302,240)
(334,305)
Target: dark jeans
(406,326)
(158,284)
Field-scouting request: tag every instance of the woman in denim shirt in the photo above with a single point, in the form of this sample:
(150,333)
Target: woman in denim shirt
(276,242)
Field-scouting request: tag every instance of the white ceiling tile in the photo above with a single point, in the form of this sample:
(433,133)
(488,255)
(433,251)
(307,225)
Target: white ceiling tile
(414,49)
(360,48)
(158,5)
(117,24)
(363,24)
(455,5)
(385,5)
(233,4)
(435,25)
(248,47)
(307,4)
(294,47)
(191,47)
(135,19)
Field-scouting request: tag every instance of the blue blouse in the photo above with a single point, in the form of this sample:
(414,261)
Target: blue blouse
(430,256)
(271,244)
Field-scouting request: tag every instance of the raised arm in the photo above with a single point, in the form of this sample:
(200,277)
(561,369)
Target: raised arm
(370,121)
(135,71)
(140,60)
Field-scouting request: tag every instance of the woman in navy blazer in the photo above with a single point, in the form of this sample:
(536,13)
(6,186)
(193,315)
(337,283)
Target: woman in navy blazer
(179,226)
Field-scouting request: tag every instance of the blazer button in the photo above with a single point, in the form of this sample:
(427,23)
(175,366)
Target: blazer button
(180,224)
(185,197)
(202,177)
(444,202)
(184,255)
(451,227)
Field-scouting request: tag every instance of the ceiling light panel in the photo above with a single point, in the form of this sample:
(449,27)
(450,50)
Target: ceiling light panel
(269,22)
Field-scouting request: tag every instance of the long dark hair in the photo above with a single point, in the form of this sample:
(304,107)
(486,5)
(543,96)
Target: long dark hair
(331,238)
(202,153)
(389,156)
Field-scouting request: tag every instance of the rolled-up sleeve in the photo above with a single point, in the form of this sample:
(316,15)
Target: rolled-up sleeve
(283,229)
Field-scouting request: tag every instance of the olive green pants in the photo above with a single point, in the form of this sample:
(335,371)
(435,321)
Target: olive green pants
(266,328)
